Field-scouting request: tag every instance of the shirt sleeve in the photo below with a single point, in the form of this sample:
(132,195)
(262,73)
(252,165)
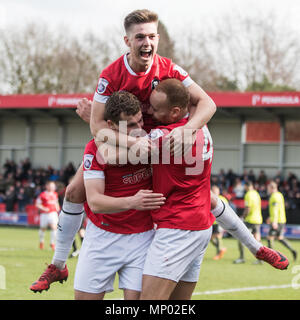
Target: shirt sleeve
(93,166)
(179,73)
(104,87)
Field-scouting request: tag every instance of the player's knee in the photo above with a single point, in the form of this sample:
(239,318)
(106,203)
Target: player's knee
(75,193)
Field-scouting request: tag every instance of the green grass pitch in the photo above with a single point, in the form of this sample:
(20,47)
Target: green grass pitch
(22,262)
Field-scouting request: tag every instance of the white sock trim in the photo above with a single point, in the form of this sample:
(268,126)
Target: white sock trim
(70,207)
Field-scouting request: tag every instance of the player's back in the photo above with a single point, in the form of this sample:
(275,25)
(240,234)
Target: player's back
(277,205)
(186,185)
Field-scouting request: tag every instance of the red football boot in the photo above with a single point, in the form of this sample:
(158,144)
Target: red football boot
(274,258)
(51,274)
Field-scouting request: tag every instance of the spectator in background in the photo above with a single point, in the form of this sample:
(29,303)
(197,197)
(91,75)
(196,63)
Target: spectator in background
(22,199)
(262,178)
(10,198)
(238,188)
(251,176)
(230,178)
(262,190)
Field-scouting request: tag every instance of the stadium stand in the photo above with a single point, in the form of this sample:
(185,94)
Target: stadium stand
(256,137)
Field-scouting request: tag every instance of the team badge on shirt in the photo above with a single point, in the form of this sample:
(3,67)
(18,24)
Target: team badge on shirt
(154,83)
(102,84)
(87,161)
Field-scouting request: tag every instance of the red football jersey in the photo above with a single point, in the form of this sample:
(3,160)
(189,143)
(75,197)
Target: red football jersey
(120,181)
(48,200)
(119,76)
(185,182)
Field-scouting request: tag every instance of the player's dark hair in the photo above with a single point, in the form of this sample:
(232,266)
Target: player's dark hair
(139,16)
(121,101)
(177,94)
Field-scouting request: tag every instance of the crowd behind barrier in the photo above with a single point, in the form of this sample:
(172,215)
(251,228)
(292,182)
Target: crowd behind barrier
(21,183)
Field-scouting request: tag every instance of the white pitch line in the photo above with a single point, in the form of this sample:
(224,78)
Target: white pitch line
(283,286)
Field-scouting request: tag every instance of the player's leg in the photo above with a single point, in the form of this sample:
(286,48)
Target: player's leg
(53,220)
(156,288)
(185,287)
(80,295)
(43,228)
(101,256)
(285,242)
(230,222)
(241,258)
(70,219)
(169,259)
(183,291)
(131,294)
(131,273)
(42,237)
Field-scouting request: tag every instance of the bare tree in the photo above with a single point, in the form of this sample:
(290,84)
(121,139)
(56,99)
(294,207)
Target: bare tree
(238,51)
(36,60)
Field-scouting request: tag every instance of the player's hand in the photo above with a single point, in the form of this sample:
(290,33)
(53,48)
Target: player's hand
(147,200)
(83,109)
(181,140)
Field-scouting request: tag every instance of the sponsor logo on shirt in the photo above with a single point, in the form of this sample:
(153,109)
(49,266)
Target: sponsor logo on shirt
(138,176)
(87,161)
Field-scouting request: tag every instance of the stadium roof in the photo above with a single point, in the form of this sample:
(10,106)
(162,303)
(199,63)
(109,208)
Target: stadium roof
(250,105)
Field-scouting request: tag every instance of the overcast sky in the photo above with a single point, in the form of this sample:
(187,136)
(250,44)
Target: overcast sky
(100,15)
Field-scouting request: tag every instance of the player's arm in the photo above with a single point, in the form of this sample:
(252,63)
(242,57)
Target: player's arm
(101,203)
(39,205)
(202,107)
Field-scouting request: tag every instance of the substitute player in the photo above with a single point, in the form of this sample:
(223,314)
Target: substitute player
(252,217)
(277,218)
(47,203)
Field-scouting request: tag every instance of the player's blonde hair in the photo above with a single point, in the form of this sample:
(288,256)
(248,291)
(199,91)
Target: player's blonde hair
(139,16)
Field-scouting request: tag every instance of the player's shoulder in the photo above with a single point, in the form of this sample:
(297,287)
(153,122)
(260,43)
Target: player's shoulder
(113,68)
(90,147)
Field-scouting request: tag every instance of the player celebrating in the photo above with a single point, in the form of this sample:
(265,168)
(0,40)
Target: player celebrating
(117,235)
(138,72)
(184,222)
(47,203)
(277,218)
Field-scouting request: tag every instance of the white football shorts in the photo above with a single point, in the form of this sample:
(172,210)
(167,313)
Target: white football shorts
(48,218)
(176,254)
(104,253)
